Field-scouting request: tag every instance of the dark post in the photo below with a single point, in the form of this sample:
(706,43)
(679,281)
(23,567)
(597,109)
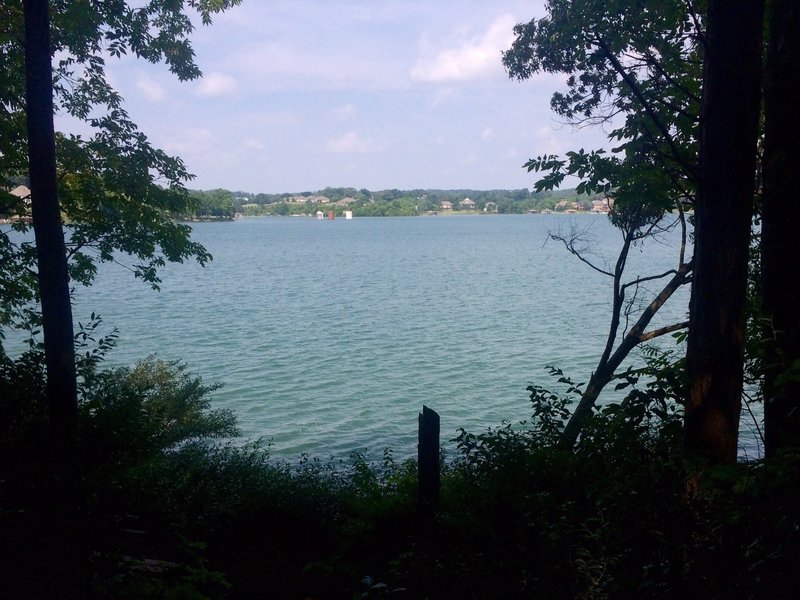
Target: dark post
(428,456)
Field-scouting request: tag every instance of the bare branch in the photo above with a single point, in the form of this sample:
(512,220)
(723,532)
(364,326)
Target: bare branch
(609,363)
(684,233)
(663,331)
(640,280)
(570,243)
(634,335)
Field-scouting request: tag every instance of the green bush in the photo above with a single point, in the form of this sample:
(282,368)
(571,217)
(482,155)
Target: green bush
(172,505)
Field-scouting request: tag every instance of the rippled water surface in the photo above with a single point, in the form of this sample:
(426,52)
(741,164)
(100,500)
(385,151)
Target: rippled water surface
(329,336)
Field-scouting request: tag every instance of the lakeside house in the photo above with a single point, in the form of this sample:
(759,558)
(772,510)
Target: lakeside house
(447,205)
(467,204)
(313,199)
(601,206)
(566,205)
(23,192)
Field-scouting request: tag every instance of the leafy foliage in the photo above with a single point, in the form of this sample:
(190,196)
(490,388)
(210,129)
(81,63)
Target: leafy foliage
(117,191)
(635,66)
(172,513)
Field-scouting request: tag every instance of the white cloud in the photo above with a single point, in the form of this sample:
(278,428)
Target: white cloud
(216,84)
(254,144)
(472,58)
(352,143)
(547,141)
(444,96)
(151,90)
(191,141)
(312,64)
(344,112)
(488,134)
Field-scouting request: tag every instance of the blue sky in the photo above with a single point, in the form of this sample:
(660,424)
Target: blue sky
(298,95)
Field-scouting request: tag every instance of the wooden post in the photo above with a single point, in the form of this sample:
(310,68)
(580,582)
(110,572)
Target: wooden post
(428,457)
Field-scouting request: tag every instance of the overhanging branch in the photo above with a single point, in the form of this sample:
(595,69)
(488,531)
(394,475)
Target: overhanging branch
(637,92)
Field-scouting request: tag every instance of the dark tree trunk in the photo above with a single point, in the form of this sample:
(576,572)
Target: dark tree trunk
(780,248)
(52,261)
(729,131)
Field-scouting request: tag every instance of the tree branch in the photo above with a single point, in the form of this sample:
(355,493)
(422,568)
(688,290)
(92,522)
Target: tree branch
(569,244)
(634,335)
(609,364)
(655,63)
(637,92)
(696,20)
(663,331)
(648,278)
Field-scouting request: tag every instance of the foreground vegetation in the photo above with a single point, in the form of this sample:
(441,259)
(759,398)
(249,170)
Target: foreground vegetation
(167,506)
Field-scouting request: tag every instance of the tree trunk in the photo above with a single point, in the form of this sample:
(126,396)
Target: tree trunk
(729,131)
(52,262)
(780,250)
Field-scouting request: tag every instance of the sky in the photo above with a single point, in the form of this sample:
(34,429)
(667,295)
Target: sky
(302,94)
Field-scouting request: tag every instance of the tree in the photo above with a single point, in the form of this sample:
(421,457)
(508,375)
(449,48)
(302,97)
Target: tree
(724,209)
(214,203)
(53,278)
(780,252)
(637,63)
(116,191)
(619,344)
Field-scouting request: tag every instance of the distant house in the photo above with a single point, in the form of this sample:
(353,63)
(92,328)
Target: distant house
(600,206)
(313,199)
(447,205)
(467,204)
(566,205)
(345,201)
(22,191)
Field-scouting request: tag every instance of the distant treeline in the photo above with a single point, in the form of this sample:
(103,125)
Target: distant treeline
(225,204)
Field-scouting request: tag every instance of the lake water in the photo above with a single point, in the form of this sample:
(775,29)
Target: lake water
(329,336)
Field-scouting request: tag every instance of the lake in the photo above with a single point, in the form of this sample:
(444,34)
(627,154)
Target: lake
(329,336)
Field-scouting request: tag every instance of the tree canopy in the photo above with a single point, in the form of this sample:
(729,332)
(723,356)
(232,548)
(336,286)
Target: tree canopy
(116,190)
(635,67)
